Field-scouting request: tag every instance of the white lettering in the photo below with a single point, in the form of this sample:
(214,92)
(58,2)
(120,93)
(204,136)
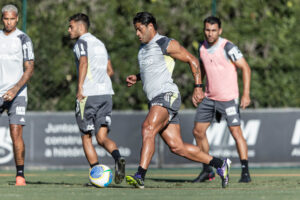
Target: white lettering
(61,128)
(215,133)
(296,134)
(250,132)
(20,110)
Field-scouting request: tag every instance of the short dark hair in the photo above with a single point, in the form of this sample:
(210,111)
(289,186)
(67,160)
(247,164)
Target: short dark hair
(145,18)
(82,18)
(212,20)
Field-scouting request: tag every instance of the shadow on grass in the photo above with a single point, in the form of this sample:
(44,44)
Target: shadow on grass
(170,180)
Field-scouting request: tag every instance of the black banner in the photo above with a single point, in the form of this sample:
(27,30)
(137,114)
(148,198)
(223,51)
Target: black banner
(53,139)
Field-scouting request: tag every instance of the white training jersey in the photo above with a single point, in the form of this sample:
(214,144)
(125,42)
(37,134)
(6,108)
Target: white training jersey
(156,67)
(97,81)
(15,49)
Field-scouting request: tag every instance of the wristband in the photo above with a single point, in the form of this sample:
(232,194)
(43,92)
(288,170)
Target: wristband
(199,85)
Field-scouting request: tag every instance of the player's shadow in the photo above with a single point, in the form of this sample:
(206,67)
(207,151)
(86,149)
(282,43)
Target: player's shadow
(170,180)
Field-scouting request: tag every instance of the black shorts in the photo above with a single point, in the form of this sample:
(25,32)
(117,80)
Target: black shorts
(16,109)
(209,108)
(171,101)
(93,112)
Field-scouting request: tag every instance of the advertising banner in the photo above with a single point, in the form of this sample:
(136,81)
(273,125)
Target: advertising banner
(52,139)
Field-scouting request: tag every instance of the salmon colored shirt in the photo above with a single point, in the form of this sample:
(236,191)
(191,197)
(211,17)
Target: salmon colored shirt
(221,73)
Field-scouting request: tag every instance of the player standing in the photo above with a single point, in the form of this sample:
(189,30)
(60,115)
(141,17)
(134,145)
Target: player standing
(220,59)
(16,52)
(156,61)
(94,93)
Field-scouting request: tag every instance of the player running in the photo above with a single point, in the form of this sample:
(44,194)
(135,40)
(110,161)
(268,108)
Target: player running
(156,60)
(94,93)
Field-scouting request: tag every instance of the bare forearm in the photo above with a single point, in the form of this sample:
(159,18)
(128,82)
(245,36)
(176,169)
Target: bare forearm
(82,71)
(195,67)
(246,80)
(29,68)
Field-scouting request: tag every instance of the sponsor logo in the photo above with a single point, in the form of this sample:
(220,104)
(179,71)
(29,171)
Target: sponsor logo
(156,104)
(20,110)
(90,127)
(231,111)
(146,62)
(235,120)
(6,149)
(22,119)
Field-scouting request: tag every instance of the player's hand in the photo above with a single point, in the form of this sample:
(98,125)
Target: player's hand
(245,101)
(131,80)
(197,96)
(80,96)
(10,94)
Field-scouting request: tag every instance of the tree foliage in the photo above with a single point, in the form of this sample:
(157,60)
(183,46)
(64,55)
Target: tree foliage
(265,31)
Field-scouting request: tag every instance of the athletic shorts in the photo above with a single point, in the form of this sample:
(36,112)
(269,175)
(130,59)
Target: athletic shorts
(93,112)
(15,110)
(208,109)
(171,101)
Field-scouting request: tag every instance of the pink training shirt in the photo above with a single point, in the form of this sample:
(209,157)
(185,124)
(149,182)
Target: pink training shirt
(221,73)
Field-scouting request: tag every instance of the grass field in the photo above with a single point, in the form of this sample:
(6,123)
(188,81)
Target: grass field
(171,184)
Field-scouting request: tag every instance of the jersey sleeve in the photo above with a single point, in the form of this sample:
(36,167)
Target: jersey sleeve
(81,48)
(233,52)
(27,47)
(163,43)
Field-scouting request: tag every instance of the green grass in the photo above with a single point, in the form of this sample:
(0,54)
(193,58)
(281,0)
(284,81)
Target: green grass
(163,184)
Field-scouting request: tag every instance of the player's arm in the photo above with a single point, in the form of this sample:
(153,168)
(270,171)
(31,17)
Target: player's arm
(132,79)
(246,71)
(175,50)
(11,93)
(82,71)
(110,70)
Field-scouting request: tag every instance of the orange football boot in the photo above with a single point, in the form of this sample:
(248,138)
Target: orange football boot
(20,181)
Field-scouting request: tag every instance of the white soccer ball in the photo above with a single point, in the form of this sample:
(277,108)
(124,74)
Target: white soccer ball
(100,176)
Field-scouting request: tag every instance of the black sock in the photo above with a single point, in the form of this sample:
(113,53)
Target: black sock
(141,171)
(206,168)
(216,162)
(93,165)
(20,170)
(116,154)
(244,164)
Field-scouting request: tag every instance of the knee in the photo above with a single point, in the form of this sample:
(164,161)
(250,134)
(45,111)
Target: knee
(237,135)
(101,140)
(199,133)
(177,149)
(148,131)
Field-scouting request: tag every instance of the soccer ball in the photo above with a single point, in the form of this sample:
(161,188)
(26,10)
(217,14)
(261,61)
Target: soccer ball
(100,176)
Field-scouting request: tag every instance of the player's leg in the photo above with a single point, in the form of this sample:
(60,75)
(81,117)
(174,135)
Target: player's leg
(16,114)
(231,111)
(111,147)
(242,149)
(89,149)
(155,121)
(84,114)
(102,123)
(199,132)
(171,136)
(204,116)
(16,132)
